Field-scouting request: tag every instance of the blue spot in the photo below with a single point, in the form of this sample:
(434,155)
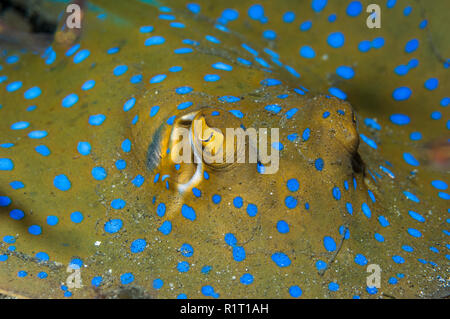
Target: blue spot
(364,46)
(269,35)
(166,227)
(188,212)
(320,265)
(332,286)
(438,184)
(84,148)
(400,119)
(6,164)
(305,26)
(293,185)
(16,214)
(411,196)
(410,159)
(416,216)
(238,202)
(14,184)
(336,39)
(398,259)
(155,40)
(88,85)
(118,203)
(126,146)
(32,93)
(360,260)
(329,243)
(99,173)
(35,230)
(183,90)
(318,5)
(337,93)
(246,279)
(128,105)
(62,183)
(289,17)
(222,66)
(336,193)
(187,250)
(307,52)
(216,199)
(345,72)
(431,84)
(52,220)
(113,226)
(290,202)
(282,227)
(96,120)
(96,281)
(252,210)
(281,259)
(411,45)
(183,266)
(366,210)
(158,78)
(76,217)
(211,78)
(256,12)
(354,8)
(126,278)
(81,56)
(238,253)
(138,246)
(414,232)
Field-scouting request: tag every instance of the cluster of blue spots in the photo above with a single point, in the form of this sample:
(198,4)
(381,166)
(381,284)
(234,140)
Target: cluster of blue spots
(188,212)
(76,217)
(113,226)
(138,246)
(281,259)
(307,52)
(118,203)
(336,39)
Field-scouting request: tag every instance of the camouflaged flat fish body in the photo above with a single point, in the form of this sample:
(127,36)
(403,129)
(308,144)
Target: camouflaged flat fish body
(88,180)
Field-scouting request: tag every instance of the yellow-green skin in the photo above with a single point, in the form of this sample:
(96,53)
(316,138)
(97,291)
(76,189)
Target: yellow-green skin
(335,139)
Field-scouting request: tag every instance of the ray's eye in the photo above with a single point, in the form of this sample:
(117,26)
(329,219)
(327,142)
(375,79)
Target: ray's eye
(198,142)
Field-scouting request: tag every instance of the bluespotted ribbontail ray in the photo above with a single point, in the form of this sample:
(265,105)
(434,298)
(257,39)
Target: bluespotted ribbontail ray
(361,115)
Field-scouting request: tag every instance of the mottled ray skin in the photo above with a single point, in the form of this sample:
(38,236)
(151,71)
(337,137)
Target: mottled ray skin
(335,139)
